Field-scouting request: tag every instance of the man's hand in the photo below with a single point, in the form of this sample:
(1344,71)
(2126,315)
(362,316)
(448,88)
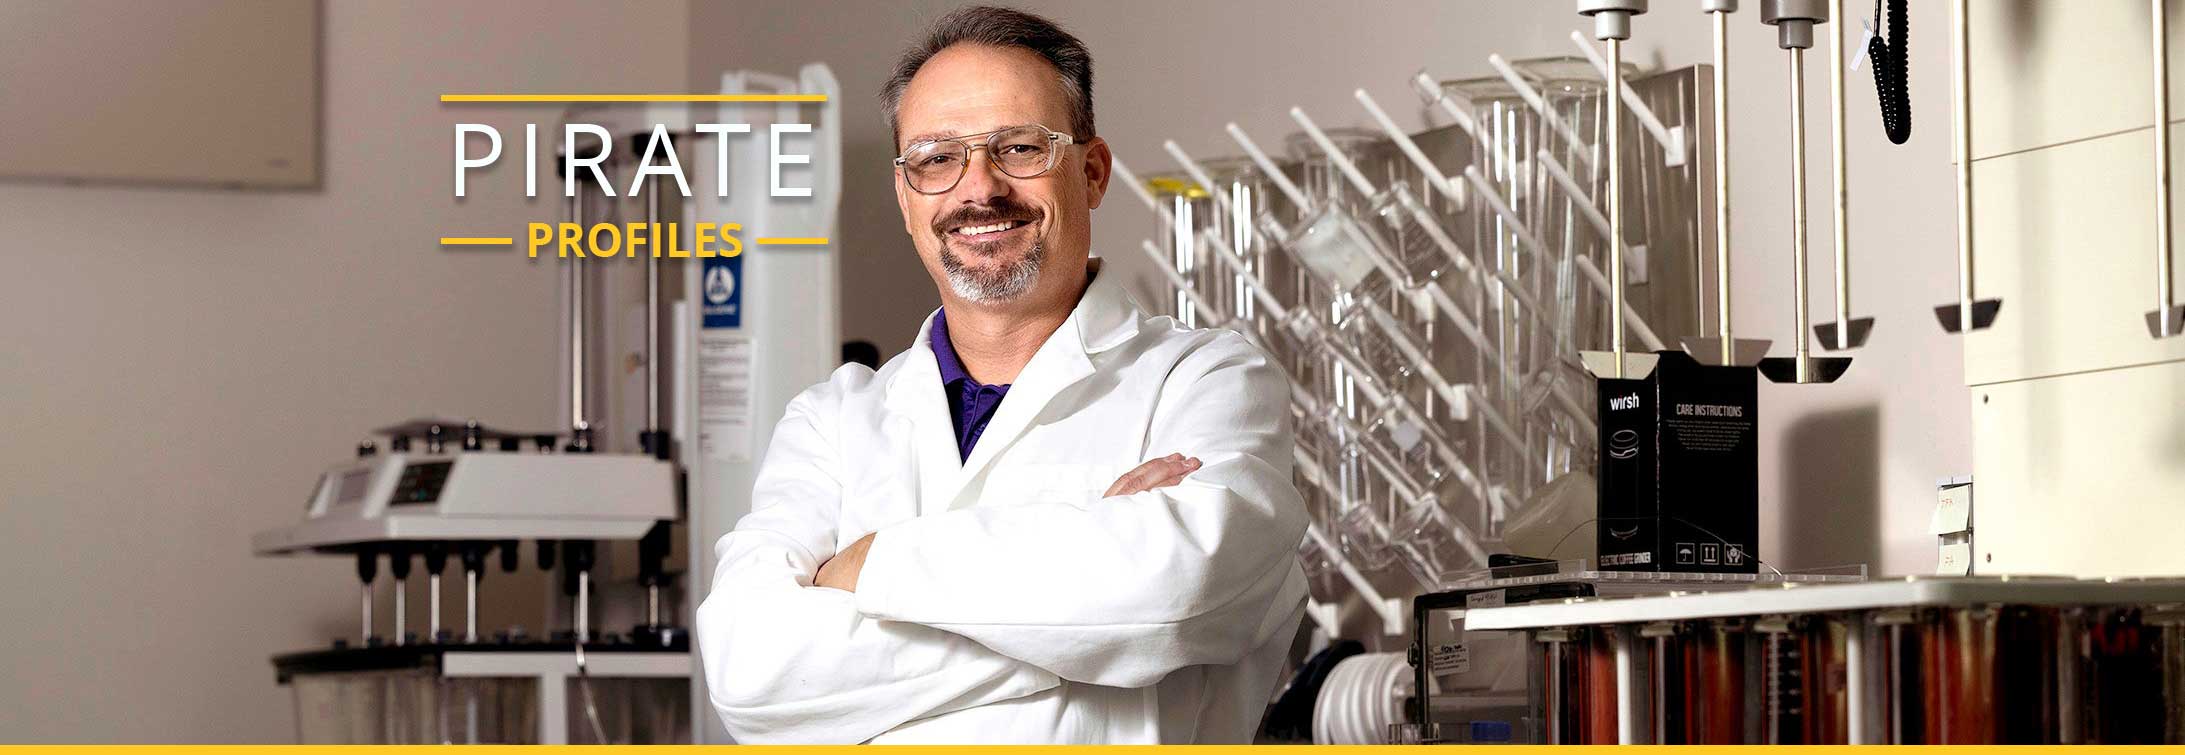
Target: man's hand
(841,571)
(1158,473)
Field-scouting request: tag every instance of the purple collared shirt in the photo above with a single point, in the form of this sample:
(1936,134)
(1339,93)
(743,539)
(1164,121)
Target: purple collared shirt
(971,404)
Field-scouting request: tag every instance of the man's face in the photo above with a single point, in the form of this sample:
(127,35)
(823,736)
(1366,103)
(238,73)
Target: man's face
(1031,235)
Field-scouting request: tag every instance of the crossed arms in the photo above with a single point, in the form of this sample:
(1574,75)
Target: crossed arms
(1179,566)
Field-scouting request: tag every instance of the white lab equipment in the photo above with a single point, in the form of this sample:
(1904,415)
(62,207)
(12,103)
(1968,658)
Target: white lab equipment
(759,328)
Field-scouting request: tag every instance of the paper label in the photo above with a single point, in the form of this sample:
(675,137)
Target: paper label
(1449,658)
(724,395)
(1953,510)
(1484,599)
(1956,560)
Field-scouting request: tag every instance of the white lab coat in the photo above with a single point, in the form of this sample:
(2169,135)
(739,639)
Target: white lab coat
(1003,599)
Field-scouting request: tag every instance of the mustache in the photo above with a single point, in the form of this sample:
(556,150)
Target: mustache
(1001,210)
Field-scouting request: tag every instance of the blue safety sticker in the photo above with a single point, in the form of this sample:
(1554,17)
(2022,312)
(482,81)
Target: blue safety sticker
(723,291)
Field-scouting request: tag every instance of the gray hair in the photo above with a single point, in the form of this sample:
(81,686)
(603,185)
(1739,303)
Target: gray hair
(1001,27)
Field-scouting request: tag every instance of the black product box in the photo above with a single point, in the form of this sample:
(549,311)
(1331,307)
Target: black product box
(1679,474)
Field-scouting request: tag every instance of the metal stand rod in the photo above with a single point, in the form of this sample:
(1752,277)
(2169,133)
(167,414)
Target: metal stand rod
(584,606)
(402,611)
(578,418)
(470,605)
(432,625)
(652,606)
(1961,131)
(1616,200)
(652,311)
(1722,184)
(2162,324)
(366,637)
(1798,209)
(1838,173)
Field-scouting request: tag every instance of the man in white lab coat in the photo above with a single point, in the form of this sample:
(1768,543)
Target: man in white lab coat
(1055,518)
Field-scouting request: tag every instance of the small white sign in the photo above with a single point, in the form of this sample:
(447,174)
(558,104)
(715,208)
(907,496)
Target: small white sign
(724,395)
(1484,599)
(1956,560)
(1953,510)
(1450,658)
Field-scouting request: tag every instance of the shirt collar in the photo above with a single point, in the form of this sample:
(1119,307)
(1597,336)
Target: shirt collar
(944,352)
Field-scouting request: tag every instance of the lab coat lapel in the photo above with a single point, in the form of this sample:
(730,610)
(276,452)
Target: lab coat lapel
(915,394)
(1104,317)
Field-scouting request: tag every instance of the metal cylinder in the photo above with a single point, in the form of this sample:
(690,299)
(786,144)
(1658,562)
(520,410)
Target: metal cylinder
(584,606)
(432,624)
(402,610)
(1794,20)
(652,606)
(470,605)
(1611,18)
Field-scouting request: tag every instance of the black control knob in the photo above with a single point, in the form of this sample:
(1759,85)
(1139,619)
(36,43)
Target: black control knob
(399,444)
(655,443)
(474,557)
(544,442)
(367,448)
(398,561)
(511,444)
(510,557)
(474,438)
(436,558)
(546,554)
(652,554)
(579,553)
(367,565)
(436,439)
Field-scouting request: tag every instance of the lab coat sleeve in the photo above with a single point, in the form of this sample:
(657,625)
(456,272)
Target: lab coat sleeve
(1121,591)
(786,662)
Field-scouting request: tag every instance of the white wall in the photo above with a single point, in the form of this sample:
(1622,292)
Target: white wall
(1847,470)
(177,363)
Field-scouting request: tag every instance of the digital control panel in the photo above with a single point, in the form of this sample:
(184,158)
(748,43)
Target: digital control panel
(421,483)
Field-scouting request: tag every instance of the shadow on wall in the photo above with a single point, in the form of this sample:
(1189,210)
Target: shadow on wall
(1829,499)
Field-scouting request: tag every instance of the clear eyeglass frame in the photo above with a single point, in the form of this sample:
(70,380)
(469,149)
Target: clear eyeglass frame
(1053,140)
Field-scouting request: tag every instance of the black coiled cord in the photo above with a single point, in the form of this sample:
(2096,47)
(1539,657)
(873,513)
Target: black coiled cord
(1892,71)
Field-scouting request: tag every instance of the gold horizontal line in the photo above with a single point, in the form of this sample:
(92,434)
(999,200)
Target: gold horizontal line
(476,240)
(792,241)
(633,98)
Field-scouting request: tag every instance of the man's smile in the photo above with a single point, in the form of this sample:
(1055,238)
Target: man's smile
(988,232)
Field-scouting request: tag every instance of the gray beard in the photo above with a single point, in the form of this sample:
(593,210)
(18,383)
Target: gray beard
(986,287)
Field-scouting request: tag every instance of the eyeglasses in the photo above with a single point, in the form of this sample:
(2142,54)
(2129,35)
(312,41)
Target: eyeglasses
(936,166)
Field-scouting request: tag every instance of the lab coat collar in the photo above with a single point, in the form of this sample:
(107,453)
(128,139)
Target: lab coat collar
(1105,317)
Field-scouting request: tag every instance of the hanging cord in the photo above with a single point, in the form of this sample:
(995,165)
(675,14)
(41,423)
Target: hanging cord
(591,704)
(1892,70)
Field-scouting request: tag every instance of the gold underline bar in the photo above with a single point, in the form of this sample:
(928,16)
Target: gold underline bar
(476,240)
(633,98)
(791,241)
